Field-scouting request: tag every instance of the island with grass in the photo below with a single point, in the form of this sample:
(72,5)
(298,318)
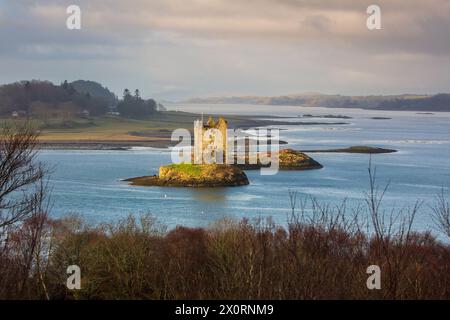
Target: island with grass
(220,175)
(194,175)
(210,138)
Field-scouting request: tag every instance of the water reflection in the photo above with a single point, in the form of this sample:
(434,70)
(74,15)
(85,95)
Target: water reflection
(211,195)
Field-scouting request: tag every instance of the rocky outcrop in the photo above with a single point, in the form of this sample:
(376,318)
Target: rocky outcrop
(193,175)
(289,159)
(354,149)
(295,160)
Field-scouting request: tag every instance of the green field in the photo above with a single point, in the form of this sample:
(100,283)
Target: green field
(187,168)
(112,129)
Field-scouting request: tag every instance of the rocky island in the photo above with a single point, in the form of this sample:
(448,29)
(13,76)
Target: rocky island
(295,160)
(194,175)
(289,159)
(354,149)
(197,173)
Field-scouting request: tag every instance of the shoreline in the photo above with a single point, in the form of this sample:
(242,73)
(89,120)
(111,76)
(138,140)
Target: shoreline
(161,137)
(103,145)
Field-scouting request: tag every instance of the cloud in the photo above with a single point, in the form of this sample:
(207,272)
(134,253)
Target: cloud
(251,46)
(407,24)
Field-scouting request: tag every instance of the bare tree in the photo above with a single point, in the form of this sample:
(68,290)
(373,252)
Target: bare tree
(441,214)
(293,202)
(21,175)
(23,211)
(393,234)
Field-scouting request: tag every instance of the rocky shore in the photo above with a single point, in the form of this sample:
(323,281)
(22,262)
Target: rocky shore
(155,133)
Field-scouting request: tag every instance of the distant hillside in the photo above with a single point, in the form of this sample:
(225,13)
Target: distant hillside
(44,99)
(439,102)
(94,89)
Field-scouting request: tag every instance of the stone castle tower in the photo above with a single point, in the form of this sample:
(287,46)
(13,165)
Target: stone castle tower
(210,138)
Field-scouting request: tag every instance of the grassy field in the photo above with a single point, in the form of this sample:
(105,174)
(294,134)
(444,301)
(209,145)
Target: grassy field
(154,131)
(112,132)
(109,129)
(116,129)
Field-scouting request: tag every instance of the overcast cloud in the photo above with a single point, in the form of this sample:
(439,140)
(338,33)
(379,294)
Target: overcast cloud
(175,49)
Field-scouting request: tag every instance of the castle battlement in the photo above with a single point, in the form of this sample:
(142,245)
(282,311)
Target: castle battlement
(210,138)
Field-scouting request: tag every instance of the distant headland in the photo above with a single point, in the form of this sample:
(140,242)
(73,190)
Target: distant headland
(402,102)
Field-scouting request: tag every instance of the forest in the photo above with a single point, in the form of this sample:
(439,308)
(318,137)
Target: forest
(45,100)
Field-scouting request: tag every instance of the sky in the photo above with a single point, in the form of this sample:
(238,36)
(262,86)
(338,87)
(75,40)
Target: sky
(176,49)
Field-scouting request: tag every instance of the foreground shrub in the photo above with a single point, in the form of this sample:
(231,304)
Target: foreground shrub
(137,259)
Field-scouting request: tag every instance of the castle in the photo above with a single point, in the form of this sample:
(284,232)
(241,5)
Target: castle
(210,141)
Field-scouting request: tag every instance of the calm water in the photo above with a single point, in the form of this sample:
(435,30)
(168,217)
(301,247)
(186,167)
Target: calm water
(88,182)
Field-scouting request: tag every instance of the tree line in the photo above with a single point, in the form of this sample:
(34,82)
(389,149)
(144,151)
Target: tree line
(43,99)
(133,106)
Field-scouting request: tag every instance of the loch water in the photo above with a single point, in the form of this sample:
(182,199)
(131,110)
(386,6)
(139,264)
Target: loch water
(88,182)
